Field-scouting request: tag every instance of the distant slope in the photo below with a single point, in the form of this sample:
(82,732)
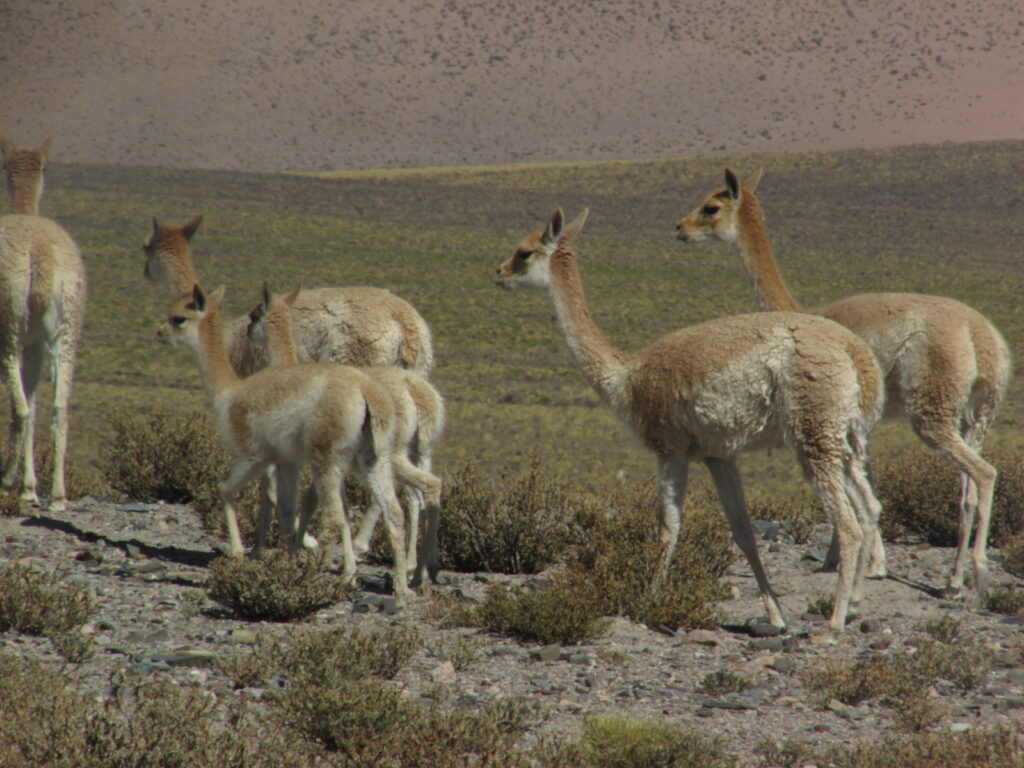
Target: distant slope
(273,86)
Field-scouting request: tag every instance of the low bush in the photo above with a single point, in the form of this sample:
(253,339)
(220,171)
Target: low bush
(511,525)
(1007,599)
(562,612)
(275,587)
(618,742)
(723,681)
(161,456)
(41,604)
(920,494)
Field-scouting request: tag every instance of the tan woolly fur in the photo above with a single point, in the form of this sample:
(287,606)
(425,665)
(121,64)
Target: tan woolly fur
(946,367)
(42,303)
(355,325)
(713,390)
(419,421)
(328,417)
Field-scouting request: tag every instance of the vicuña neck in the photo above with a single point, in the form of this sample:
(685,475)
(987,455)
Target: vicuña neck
(280,341)
(218,375)
(25,200)
(752,241)
(600,361)
(180,275)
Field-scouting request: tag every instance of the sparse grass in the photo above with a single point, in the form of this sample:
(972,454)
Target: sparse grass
(723,681)
(462,651)
(823,606)
(275,587)
(945,629)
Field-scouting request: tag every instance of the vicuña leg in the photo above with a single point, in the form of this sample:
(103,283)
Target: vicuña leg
(727,480)
(242,472)
(673,475)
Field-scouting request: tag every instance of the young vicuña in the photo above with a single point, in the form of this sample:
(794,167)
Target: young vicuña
(419,421)
(329,417)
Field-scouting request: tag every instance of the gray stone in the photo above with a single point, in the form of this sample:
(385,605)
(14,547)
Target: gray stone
(701,637)
(870,626)
(444,673)
(483,578)
(817,554)
(765,644)
(783,664)
(187,658)
(389,606)
(551,652)
(242,636)
(731,702)
(763,629)
(580,658)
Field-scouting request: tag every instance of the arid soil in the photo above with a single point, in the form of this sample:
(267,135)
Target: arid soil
(146,565)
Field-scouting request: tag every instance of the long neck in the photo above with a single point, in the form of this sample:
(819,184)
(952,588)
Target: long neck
(25,195)
(600,362)
(180,276)
(752,242)
(280,340)
(218,375)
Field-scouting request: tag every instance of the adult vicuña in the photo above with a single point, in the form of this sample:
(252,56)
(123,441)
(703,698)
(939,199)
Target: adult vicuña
(326,416)
(42,302)
(419,421)
(353,326)
(710,391)
(945,366)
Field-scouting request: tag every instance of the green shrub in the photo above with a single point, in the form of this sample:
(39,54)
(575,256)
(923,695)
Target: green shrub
(160,456)
(41,604)
(1013,555)
(920,494)
(557,613)
(618,742)
(277,587)
(945,629)
(506,525)
(1007,599)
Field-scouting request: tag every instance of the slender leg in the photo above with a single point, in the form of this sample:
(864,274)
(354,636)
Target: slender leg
(63,373)
(727,480)
(287,483)
(673,473)
(19,418)
(266,510)
(377,473)
(242,472)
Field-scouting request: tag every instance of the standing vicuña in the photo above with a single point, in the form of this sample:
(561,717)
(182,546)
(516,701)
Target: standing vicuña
(945,366)
(419,420)
(42,301)
(353,326)
(329,417)
(713,390)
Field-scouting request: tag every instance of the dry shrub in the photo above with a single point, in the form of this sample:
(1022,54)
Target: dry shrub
(619,555)
(161,456)
(144,723)
(508,524)
(619,742)
(1013,555)
(723,681)
(561,612)
(41,604)
(977,748)
(1006,599)
(276,587)
(920,494)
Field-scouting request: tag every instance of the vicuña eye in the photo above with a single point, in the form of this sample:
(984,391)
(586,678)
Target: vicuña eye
(711,210)
(177,321)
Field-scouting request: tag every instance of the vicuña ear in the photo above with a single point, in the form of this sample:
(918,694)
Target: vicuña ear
(155,233)
(752,180)
(215,298)
(265,296)
(291,297)
(45,146)
(732,184)
(190,228)
(554,228)
(198,298)
(575,226)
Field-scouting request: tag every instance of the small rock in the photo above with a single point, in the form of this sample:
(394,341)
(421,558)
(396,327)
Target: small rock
(959,727)
(242,636)
(812,618)
(771,644)
(551,652)
(389,606)
(444,673)
(580,658)
(870,626)
(187,658)
(483,578)
(817,554)
(783,664)
(763,629)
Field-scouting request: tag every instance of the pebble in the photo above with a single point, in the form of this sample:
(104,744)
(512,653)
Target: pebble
(444,673)
(551,652)
(765,644)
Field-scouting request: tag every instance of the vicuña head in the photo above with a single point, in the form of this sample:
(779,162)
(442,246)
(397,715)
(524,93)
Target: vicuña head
(24,171)
(717,217)
(529,265)
(169,257)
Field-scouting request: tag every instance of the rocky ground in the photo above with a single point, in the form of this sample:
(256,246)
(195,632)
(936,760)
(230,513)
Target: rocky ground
(147,563)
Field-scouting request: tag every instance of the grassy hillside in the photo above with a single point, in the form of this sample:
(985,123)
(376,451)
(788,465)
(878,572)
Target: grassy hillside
(943,219)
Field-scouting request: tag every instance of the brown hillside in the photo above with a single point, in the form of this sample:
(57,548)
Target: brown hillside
(274,86)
